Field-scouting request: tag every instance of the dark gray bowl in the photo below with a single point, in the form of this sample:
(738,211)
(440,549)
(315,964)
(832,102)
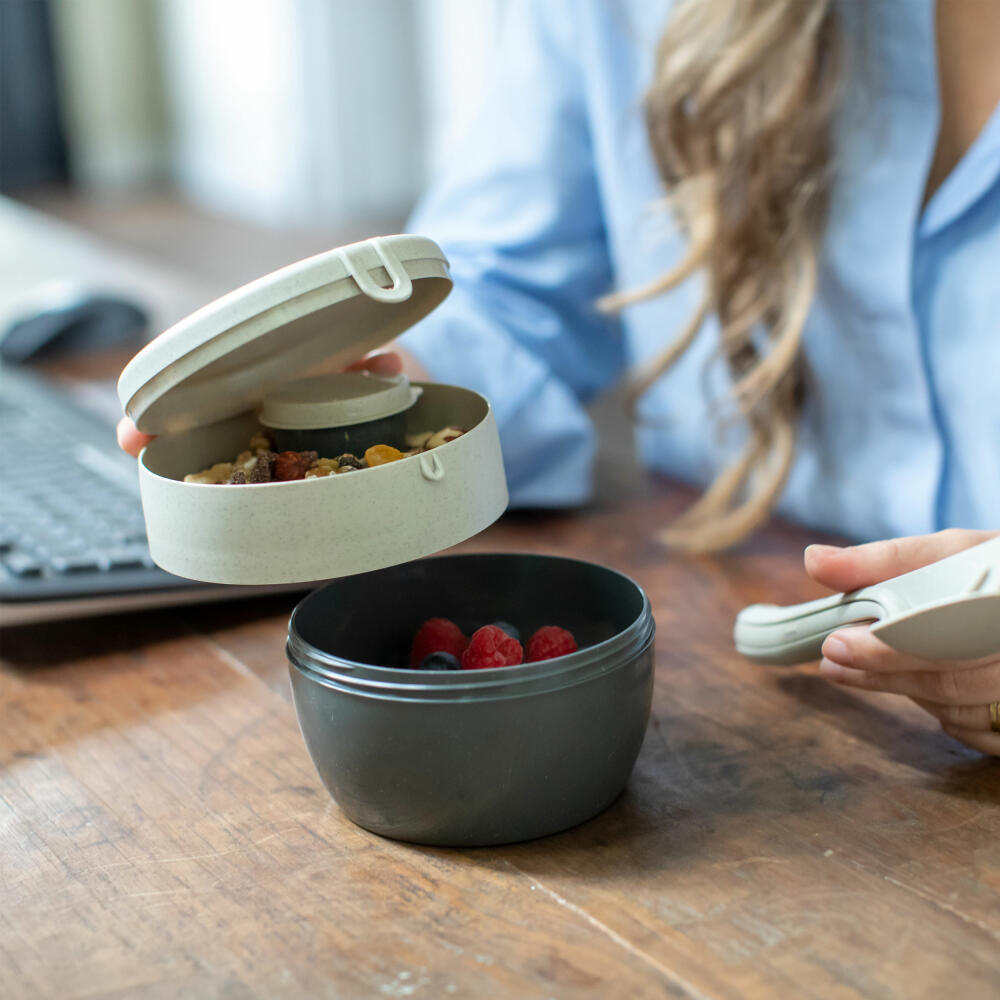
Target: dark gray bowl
(473,757)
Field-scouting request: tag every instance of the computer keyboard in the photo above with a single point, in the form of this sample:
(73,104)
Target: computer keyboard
(72,536)
(63,510)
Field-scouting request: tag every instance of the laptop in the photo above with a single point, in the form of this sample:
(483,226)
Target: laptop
(72,536)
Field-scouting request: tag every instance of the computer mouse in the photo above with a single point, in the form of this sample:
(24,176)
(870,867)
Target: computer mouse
(77,323)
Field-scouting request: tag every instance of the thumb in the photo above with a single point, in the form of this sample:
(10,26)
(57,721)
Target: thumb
(862,565)
(379,363)
(130,439)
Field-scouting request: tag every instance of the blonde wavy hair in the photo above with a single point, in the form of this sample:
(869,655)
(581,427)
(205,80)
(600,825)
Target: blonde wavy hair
(740,116)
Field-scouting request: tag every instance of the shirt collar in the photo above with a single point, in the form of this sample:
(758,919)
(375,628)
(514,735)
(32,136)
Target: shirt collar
(975,173)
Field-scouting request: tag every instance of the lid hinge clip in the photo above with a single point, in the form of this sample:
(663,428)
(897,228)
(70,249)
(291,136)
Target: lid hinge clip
(354,260)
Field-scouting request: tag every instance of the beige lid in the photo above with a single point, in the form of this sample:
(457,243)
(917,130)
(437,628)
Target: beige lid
(336,400)
(228,356)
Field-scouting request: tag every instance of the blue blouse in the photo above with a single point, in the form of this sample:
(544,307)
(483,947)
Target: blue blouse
(552,199)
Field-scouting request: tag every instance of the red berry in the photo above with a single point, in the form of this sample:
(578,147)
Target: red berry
(437,635)
(548,642)
(491,647)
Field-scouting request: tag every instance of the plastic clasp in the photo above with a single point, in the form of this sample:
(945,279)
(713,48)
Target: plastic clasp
(401,287)
(431,467)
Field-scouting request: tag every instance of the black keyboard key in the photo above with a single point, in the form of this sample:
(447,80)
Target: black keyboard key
(130,537)
(128,557)
(21,564)
(75,564)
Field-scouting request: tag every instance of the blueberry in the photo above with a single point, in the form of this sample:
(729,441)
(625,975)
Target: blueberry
(511,630)
(439,661)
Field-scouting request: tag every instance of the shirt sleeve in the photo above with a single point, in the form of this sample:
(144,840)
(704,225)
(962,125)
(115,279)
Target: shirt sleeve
(518,214)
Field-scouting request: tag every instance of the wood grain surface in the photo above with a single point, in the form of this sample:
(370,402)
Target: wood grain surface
(163,832)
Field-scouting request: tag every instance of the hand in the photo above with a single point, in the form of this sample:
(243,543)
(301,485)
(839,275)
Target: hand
(132,440)
(956,692)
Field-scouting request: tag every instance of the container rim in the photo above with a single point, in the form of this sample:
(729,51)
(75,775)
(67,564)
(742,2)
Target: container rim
(147,470)
(476,685)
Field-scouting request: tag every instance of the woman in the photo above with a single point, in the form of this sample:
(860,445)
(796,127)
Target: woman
(826,307)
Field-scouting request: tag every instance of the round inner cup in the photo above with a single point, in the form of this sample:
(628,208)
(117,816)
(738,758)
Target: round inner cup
(337,413)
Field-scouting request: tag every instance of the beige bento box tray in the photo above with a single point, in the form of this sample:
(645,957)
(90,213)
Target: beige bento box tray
(198,386)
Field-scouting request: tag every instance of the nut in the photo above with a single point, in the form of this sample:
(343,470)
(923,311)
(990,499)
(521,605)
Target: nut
(260,442)
(322,467)
(218,473)
(443,437)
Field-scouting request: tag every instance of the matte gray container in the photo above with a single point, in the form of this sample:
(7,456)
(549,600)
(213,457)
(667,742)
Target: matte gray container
(473,757)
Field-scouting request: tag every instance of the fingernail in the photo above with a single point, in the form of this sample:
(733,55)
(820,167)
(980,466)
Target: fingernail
(817,551)
(822,550)
(831,671)
(836,649)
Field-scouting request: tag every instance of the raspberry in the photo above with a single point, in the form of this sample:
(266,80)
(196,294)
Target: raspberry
(437,635)
(491,647)
(550,641)
(511,630)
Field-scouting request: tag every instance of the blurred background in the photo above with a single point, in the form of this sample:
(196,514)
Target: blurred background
(155,154)
(226,138)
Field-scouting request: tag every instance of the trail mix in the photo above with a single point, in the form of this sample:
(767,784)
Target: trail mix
(261,464)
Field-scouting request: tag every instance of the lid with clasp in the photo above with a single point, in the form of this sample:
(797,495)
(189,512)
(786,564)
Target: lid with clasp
(332,308)
(200,386)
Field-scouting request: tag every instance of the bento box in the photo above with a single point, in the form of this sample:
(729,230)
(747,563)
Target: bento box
(434,756)
(200,386)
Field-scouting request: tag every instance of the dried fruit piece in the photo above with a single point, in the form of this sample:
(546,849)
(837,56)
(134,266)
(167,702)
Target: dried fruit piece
(382,454)
(263,468)
(349,461)
(238,478)
(289,465)
(491,647)
(549,642)
(322,467)
(437,635)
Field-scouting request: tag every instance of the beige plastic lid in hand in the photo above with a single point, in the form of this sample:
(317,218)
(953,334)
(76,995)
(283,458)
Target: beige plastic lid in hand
(199,384)
(332,308)
(336,400)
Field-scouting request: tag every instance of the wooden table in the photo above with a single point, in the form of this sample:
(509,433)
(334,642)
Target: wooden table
(163,832)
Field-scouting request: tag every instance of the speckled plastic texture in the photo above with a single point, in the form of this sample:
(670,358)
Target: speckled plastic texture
(336,400)
(332,309)
(318,529)
(199,384)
